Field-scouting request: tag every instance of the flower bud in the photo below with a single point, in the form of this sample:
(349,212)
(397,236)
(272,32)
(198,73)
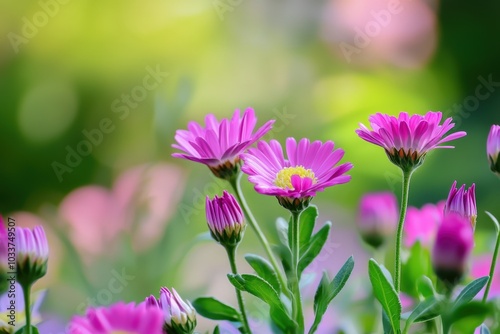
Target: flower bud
(463,202)
(378,217)
(493,148)
(225,219)
(32,252)
(452,248)
(179,315)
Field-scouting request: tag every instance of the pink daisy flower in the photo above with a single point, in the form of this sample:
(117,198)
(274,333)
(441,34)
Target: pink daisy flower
(220,144)
(463,202)
(422,224)
(493,148)
(407,139)
(32,250)
(119,318)
(309,168)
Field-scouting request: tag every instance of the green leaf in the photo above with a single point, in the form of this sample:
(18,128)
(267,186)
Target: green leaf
(282,229)
(425,310)
(484,329)
(264,291)
(264,269)
(425,287)
(470,291)
(417,265)
(211,308)
(314,247)
(328,290)
(467,317)
(216,330)
(386,294)
(307,220)
(386,324)
(34,330)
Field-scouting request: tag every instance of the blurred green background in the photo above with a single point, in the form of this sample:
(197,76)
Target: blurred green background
(318,68)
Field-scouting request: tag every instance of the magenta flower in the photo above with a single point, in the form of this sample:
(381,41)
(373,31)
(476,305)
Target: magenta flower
(32,251)
(225,219)
(220,144)
(179,316)
(3,246)
(463,202)
(452,248)
(493,148)
(406,140)
(309,168)
(118,318)
(378,217)
(422,224)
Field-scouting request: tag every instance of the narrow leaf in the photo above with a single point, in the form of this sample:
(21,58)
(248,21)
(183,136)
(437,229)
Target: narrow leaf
(216,330)
(425,310)
(264,269)
(211,308)
(307,220)
(314,248)
(425,287)
(385,294)
(327,291)
(264,291)
(470,291)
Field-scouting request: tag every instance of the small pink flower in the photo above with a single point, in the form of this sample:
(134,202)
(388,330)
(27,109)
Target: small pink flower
(3,246)
(452,248)
(179,315)
(119,318)
(463,202)
(225,219)
(378,217)
(309,168)
(407,139)
(422,224)
(220,144)
(493,148)
(32,251)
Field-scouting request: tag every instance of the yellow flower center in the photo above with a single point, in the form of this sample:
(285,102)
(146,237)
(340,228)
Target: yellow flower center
(284,176)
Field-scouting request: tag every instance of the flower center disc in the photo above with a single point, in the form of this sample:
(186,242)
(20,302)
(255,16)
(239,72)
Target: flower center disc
(284,176)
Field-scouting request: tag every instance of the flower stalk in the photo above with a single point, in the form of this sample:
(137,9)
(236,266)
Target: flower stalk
(295,276)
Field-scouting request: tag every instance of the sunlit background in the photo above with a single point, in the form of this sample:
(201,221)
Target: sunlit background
(92,92)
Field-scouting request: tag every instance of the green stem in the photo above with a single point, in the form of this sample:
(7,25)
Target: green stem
(492,267)
(231,254)
(27,307)
(295,245)
(399,237)
(235,183)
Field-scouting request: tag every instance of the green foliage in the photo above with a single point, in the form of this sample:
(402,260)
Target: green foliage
(24,330)
(214,309)
(264,269)
(327,291)
(385,293)
(417,265)
(264,291)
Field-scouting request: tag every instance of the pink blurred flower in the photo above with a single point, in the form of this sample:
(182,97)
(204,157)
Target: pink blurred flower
(407,139)
(480,268)
(463,202)
(179,315)
(142,200)
(374,32)
(422,225)
(3,246)
(220,144)
(493,148)
(225,219)
(118,318)
(377,217)
(452,248)
(310,167)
